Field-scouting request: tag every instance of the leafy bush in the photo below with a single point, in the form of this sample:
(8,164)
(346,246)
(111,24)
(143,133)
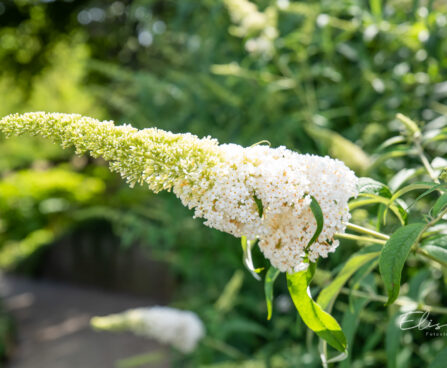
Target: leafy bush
(332,80)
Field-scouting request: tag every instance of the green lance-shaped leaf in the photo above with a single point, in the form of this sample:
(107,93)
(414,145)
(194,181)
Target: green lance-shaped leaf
(330,292)
(322,323)
(371,186)
(390,142)
(318,214)
(439,205)
(270,278)
(407,189)
(394,255)
(411,187)
(372,192)
(427,192)
(247,258)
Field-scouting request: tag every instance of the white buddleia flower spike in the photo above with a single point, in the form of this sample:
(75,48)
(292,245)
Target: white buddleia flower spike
(222,183)
(181,329)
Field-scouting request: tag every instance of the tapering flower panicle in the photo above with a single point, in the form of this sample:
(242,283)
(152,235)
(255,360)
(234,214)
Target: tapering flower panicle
(154,156)
(181,329)
(222,183)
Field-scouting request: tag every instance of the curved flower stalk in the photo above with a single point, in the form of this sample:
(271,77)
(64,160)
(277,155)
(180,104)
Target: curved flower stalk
(259,192)
(181,329)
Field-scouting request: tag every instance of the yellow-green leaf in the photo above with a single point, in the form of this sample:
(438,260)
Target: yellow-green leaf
(322,323)
(330,292)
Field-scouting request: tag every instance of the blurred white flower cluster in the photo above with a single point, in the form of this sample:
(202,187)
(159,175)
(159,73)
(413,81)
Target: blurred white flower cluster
(283,181)
(259,28)
(259,192)
(181,329)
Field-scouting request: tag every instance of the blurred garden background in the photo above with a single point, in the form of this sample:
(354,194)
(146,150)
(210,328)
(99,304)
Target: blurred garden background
(324,77)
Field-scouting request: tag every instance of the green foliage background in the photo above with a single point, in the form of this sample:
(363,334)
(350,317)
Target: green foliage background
(338,74)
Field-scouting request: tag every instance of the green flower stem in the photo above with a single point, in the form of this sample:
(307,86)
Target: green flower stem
(360,238)
(322,348)
(399,301)
(413,129)
(364,230)
(425,162)
(436,219)
(429,225)
(417,249)
(384,237)
(424,253)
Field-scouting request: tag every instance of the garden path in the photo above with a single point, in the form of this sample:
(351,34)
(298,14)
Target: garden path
(52,321)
